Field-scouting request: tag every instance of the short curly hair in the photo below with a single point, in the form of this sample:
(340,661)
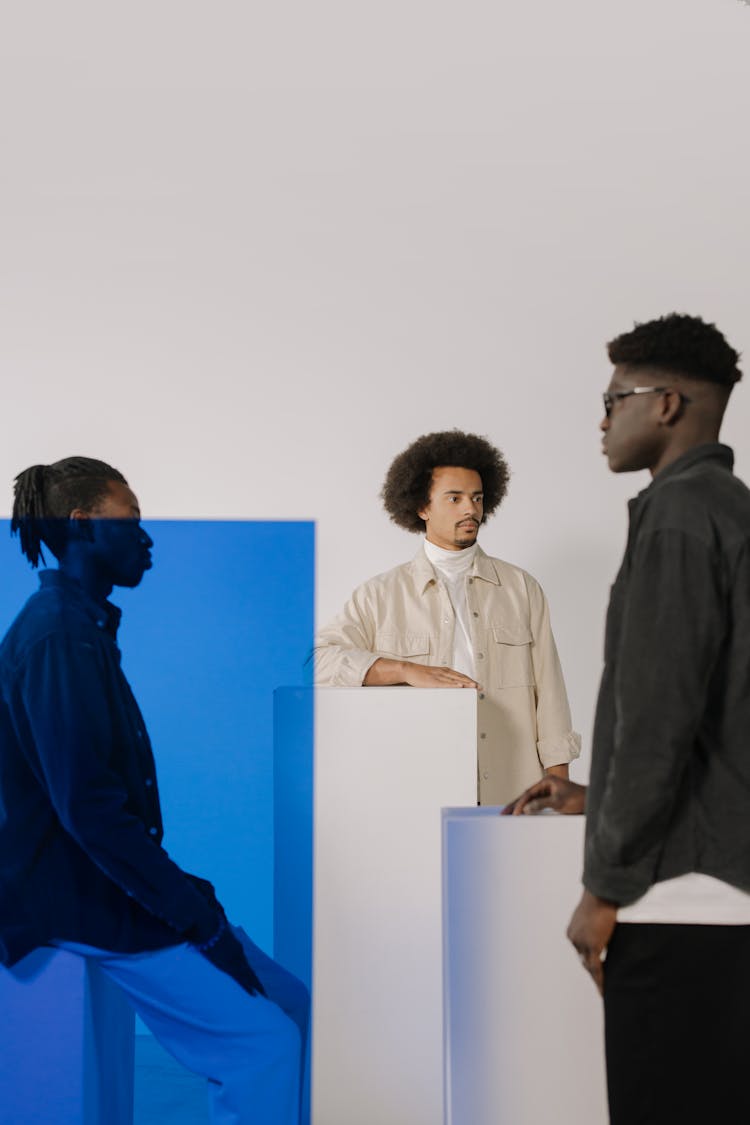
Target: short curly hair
(684,345)
(407,484)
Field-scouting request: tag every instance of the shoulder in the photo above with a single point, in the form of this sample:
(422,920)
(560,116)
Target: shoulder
(508,574)
(46,615)
(705,502)
(390,580)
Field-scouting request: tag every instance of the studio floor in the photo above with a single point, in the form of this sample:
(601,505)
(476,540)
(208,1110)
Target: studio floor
(166,1093)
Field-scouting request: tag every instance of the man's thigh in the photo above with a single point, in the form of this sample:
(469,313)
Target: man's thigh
(677,1018)
(281,986)
(199,1013)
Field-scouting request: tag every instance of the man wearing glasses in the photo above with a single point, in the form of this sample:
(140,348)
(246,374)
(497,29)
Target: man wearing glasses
(667,858)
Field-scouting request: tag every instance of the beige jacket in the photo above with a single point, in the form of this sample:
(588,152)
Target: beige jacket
(523,716)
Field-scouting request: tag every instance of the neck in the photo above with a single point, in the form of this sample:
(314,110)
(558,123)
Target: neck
(683,444)
(447,546)
(448,556)
(89,576)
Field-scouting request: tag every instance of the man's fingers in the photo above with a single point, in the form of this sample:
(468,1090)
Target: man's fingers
(536,798)
(428,675)
(594,966)
(593,963)
(457,678)
(536,804)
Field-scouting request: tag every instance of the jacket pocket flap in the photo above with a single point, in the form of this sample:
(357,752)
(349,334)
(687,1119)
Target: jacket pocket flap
(511,634)
(403,644)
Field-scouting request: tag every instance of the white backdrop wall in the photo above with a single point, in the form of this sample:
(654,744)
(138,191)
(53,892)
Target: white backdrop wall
(249,251)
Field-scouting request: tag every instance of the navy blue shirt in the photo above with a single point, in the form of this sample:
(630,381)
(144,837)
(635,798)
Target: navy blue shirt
(80,823)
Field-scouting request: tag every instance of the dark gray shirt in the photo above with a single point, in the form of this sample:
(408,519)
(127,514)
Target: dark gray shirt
(669,790)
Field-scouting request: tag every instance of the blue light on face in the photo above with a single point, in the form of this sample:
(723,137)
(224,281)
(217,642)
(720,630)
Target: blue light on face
(224,618)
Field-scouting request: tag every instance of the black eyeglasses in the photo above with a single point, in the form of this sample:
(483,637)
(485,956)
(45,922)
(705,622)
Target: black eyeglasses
(611,397)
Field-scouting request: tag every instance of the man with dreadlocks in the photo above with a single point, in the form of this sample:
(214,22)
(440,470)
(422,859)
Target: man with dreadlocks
(81,861)
(455,618)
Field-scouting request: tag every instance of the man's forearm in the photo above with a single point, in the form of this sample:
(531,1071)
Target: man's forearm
(385,672)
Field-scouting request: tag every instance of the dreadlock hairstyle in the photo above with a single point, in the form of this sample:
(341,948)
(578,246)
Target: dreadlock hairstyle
(681,344)
(407,484)
(45,495)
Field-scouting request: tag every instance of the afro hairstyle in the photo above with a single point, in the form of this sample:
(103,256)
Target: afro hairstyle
(407,484)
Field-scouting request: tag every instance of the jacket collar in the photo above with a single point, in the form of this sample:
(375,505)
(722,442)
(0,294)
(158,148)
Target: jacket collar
(723,455)
(104,614)
(424,574)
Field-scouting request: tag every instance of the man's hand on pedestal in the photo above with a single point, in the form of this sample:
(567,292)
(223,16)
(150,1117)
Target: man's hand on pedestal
(385,672)
(551,792)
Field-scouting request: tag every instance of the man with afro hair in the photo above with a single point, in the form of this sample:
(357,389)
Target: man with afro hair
(453,617)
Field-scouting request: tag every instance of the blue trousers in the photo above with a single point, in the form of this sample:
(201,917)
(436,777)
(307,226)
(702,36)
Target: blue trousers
(250,1048)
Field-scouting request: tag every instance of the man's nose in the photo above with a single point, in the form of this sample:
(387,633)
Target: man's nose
(604,424)
(146,539)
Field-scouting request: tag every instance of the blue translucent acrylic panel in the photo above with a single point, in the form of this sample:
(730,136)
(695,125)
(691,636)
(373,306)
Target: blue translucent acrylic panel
(224,618)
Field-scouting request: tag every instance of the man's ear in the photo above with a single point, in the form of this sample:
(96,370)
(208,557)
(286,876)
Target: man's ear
(671,408)
(80,527)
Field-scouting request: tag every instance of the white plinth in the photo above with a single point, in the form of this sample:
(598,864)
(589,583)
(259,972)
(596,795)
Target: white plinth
(66,1044)
(386,761)
(524,1023)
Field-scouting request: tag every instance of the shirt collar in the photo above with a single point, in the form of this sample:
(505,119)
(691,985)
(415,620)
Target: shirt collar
(454,562)
(711,451)
(424,572)
(106,615)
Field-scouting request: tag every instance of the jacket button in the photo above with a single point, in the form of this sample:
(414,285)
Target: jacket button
(480,656)
(483,735)
(475,613)
(481,695)
(152,831)
(148,783)
(485,775)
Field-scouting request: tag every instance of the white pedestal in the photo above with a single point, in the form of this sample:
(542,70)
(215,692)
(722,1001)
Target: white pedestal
(66,1044)
(386,761)
(524,1023)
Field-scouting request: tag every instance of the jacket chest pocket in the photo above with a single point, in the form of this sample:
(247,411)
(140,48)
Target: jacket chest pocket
(403,646)
(613,625)
(511,656)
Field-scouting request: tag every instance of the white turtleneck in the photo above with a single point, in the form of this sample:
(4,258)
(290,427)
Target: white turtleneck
(453,568)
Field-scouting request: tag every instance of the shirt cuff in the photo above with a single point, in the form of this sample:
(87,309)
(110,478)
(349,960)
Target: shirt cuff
(560,750)
(351,667)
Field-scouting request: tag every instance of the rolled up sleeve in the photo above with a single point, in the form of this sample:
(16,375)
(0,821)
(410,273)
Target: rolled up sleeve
(557,742)
(343,652)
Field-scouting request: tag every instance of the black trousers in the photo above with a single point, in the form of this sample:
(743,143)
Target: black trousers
(677,1025)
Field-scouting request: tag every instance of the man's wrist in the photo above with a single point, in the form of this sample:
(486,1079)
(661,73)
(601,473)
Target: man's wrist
(206,945)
